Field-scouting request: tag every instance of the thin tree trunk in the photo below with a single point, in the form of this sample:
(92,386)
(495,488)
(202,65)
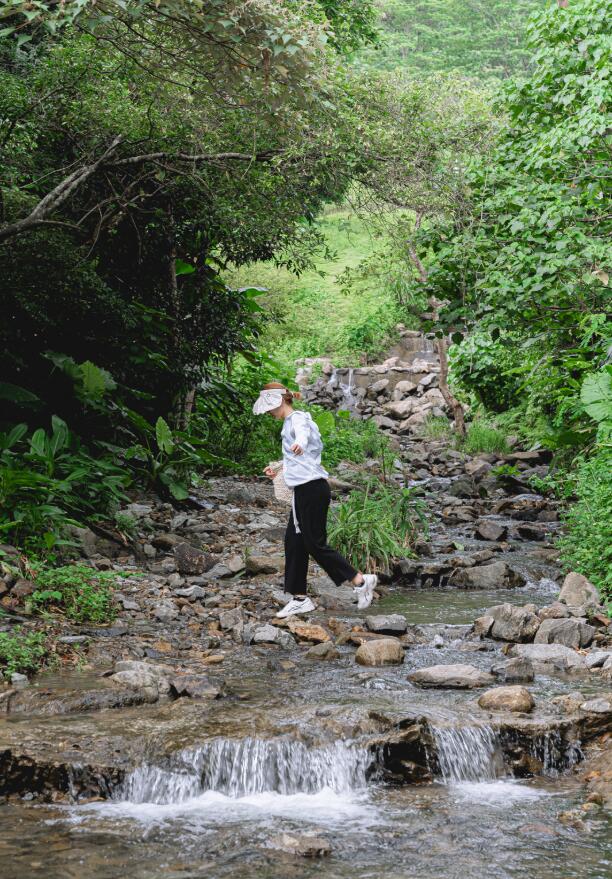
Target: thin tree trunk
(449,398)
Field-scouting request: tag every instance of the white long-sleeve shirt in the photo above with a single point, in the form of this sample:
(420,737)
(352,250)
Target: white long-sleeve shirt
(297,469)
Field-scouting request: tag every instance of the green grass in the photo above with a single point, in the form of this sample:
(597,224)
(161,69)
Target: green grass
(377,525)
(435,428)
(315,313)
(482,437)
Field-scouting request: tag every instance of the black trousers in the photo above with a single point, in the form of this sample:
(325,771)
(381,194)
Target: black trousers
(312,501)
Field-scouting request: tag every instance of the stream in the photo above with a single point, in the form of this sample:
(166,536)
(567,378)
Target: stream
(299,755)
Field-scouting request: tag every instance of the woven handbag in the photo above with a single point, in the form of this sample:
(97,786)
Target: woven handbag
(282,492)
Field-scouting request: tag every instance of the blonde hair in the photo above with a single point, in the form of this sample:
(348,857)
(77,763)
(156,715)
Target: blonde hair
(288,396)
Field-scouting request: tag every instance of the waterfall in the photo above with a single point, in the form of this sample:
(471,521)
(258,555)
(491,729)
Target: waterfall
(239,768)
(470,753)
(348,398)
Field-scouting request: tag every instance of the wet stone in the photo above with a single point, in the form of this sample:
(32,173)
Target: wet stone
(382,651)
(570,632)
(460,677)
(303,845)
(515,698)
(517,670)
(387,624)
(511,623)
(323,652)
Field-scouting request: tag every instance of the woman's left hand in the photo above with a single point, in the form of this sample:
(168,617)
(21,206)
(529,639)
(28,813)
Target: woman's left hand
(297,449)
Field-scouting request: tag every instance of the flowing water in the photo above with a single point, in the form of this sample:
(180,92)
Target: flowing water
(219,783)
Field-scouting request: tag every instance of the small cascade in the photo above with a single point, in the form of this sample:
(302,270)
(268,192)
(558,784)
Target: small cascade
(240,768)
(470,753)
(348,397)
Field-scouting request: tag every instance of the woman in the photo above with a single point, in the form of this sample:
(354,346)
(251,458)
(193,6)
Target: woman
(307,529)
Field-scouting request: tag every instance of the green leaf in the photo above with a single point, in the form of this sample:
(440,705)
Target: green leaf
(17,394)
(163,435)
(184,268)
(596,396)
(38,442)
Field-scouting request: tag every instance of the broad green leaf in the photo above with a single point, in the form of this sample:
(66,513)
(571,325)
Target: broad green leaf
(163,435)
(596,396)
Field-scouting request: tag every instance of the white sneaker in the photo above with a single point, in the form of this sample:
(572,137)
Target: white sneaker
(296,606)
(365,592)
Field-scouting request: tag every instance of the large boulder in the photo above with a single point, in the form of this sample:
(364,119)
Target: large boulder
(510,623)
(459,677)
(383,651)
(401,409)
(497,575)
(577,590)
(549,656)
(571,632)
(507,699)
(387,624)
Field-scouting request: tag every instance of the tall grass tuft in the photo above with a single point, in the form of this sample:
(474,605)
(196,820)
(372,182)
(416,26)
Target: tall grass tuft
(482,437)
(377,525)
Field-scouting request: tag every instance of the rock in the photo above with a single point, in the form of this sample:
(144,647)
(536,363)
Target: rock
(517,670)
(598,658)
(190,560)
(401,409)
(377,388)
(556,655)
(510,623)
(383,651)
(531,532)
(23,588)
(601,705)
(387,624)
(571,632)
(507,699)
(194,687)
(272,635)
(166,611)
(478,469)
(166,541)
(230,618)
(554,611)
(193,593)
(138,678)
(383,422)
(402,390)
(577,591)
(307,631)
(304,845)
(19,681)
(483,625)
(461,677)
(487,530)
(262,565)
(323,652)
(497,575)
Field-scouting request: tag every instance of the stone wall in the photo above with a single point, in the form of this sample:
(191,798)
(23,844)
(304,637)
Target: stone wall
(397,394)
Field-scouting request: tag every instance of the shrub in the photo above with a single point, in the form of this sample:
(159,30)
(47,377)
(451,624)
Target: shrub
(49,481)
(349,439)
(21,653)
(586,546)
(81,593)
(375,526)
(482,437)
(484,367)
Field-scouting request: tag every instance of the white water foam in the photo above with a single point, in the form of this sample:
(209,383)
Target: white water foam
(470,753)
(499,793)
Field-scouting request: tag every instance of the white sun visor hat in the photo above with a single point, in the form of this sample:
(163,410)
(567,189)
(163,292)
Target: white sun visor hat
(268,400)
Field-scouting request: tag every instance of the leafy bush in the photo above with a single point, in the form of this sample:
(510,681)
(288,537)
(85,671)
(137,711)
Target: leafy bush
(49,481)
(81,593)
(375,526)
(483,366)
(586,546)
(20,652)
(482,437)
